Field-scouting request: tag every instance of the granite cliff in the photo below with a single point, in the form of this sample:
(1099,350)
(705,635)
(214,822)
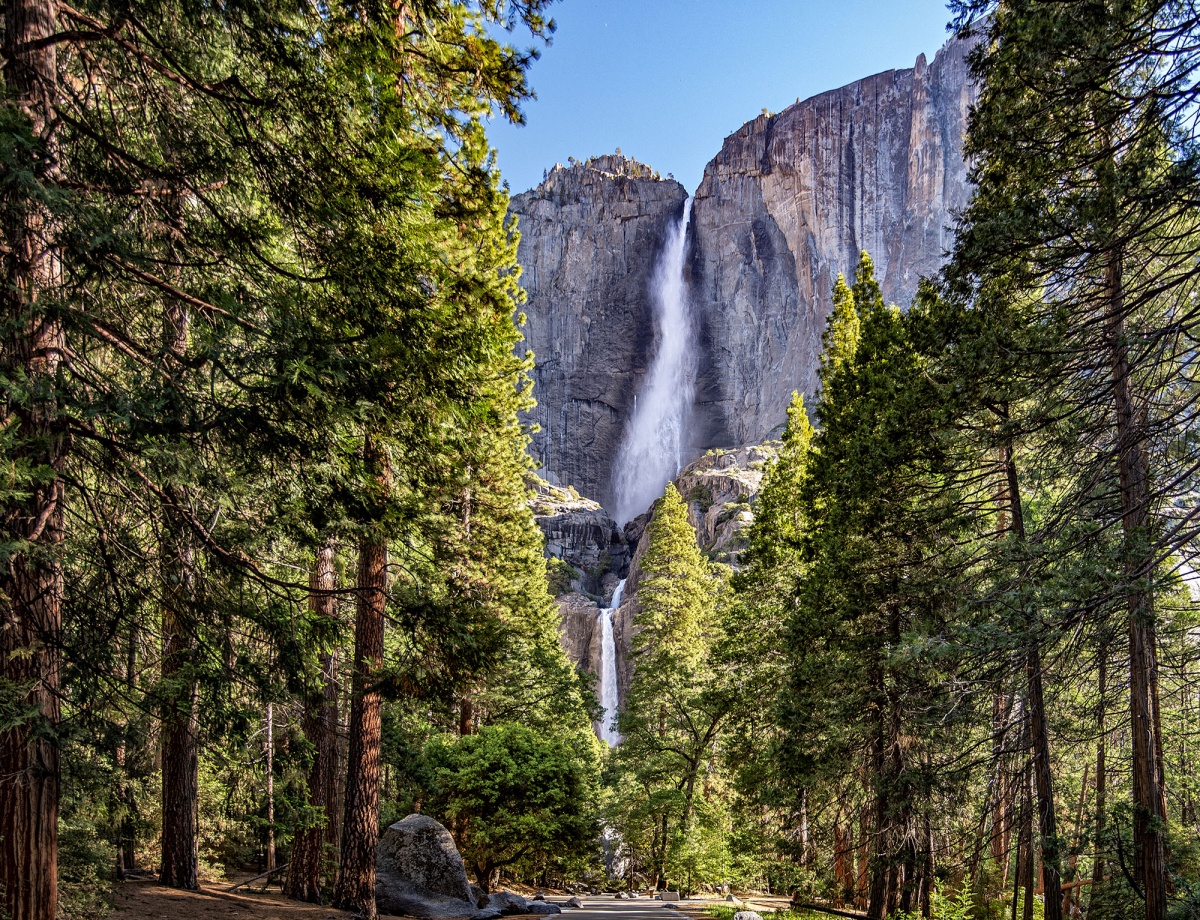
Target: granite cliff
(789,201)
(590,238)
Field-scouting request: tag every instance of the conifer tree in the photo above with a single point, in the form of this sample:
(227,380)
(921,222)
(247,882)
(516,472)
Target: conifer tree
(676,702)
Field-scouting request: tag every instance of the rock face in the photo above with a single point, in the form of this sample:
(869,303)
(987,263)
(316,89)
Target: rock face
(419,872)
(789,201)
(590,238)
(581,534)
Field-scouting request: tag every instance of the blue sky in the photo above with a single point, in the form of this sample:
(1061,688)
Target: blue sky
(667,80)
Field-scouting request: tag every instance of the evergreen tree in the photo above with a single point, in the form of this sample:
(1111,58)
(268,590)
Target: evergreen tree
(676,701)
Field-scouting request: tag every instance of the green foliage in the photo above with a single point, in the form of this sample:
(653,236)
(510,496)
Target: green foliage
(514,796)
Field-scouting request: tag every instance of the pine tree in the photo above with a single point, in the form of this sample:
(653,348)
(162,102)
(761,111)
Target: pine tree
(676,702)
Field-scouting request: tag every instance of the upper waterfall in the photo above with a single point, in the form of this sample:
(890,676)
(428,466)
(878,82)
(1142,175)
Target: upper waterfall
(652,448)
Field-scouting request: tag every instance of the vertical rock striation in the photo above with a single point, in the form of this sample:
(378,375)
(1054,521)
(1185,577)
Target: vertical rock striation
(790,201)
(590,238)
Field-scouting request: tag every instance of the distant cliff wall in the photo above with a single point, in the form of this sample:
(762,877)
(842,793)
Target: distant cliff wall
(590,237)
(790,201)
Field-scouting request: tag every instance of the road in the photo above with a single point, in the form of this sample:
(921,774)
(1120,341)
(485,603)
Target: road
(599,907)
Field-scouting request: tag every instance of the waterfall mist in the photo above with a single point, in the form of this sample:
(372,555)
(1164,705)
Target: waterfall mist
(651,452)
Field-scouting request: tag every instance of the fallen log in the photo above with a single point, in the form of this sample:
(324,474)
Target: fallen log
(267,875)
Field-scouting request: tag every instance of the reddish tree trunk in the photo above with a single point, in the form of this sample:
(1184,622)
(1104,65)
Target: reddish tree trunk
(1148,792)
(355,887)
(31,583)
(307,863)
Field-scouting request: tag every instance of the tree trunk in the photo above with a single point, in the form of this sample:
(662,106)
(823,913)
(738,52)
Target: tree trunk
(355,888)
(31,583)
(306,866)
(1038,729)
(1148,817)
(180,712)
(1098,868)
(1028,863)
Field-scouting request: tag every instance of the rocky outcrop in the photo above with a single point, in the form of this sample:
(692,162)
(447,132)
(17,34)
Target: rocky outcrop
(419,872)
(590,237)
(579,630)
(719,489)
(790,201)
(582,535)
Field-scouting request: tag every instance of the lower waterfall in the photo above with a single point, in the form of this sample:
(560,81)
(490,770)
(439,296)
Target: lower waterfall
(608,670)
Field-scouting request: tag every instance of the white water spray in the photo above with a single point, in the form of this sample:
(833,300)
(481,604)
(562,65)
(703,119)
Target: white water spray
(651,453)
(608,670)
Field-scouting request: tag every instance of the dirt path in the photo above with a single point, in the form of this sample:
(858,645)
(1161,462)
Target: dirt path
(151,901)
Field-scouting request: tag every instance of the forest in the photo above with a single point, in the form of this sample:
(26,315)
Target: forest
(271,580)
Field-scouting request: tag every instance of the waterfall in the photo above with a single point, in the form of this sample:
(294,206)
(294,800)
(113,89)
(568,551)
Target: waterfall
(651,453)
(608,670)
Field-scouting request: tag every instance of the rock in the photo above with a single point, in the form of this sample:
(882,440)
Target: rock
(789,201)
(580,533)
(747,915)
(419,872)
(480,896)
(622,896)
(730,897)
(486,913)
(508,903)
(669,896)
(574,902)
(540,896)
(590,238)
(544,908)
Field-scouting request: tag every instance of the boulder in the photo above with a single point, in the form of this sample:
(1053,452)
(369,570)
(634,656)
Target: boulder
(479,896)
(540,896)
(486,913)
(508,903)
(419,872)
(747,915)
(574,903)
(544,908)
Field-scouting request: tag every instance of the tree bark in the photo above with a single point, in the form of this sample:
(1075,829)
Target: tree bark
(1038,728)
(1148,817)
(31,582)
(1098,867)
(355,887)
(180,714)
(307,865)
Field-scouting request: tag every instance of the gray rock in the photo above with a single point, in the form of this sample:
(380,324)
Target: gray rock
(574,903)
(479,896)
(544,908)
(487,913)
(789,201)
(508,903)
(747,915)
(419,872)
(581,533)
(540,896)
(622,896)
(590,238)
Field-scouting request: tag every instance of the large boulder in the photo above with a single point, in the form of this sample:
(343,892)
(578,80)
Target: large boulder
(544,908)
(419,872)
(508,903)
